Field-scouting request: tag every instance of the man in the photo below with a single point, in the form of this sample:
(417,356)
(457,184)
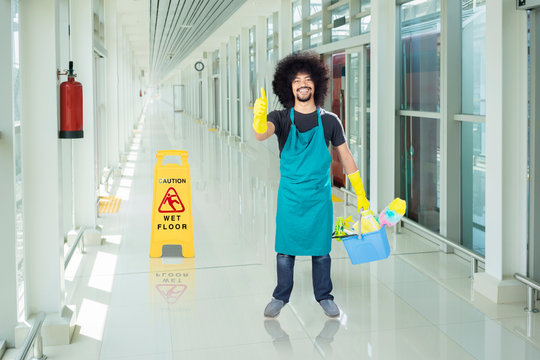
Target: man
(304,218)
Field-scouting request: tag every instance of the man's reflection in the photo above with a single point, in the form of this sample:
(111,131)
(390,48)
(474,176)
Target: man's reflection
(282,343)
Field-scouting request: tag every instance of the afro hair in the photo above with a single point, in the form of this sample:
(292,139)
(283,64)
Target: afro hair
(306,62)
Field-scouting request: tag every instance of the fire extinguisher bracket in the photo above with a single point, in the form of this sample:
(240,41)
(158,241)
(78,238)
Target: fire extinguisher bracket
(71,106)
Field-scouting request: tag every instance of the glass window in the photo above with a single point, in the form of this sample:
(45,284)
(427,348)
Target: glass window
(420,164)
(366,5)
(297,31)
(365,24)
(340,22)
(271,38)
(296,11)
(297,45)
(473,186)
(315,6)
(315,40)
(215,62)
(315,23)
(420,55)
(238,85)
(473,154)
(17,160)
(228,74)
(297,37)
(252,77)
(269,26)
(473,54)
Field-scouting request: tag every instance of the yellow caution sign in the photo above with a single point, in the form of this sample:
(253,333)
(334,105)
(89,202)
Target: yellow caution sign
(172,218)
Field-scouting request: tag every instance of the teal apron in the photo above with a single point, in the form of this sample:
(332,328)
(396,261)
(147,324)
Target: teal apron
(304,208)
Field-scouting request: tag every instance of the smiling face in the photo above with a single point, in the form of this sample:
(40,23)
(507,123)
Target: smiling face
(303,87)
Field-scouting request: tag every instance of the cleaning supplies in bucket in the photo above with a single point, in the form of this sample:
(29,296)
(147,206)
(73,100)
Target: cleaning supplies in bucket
(393,212)
(368,223)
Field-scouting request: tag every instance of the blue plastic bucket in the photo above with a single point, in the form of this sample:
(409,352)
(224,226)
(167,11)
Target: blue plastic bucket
(368,247)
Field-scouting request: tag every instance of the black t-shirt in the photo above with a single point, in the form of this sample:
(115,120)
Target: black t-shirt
(333,130)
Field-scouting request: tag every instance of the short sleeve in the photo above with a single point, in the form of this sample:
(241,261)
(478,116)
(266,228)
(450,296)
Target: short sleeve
(338,134)
(274,118)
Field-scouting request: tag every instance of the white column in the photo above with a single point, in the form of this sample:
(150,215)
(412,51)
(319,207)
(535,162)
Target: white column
(383,116)
(506,152)
(8,300)
(84,151)
(112,82)
(41,166)
(285,28)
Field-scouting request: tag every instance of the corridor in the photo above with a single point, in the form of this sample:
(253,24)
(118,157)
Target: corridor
(417,304)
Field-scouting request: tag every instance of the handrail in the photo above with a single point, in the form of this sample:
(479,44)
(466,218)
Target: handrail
(109,174)
(33,334)
(475,258)
(71,250)
(532,288)
(106,181)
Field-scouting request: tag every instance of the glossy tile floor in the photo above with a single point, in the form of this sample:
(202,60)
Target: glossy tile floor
(417,304)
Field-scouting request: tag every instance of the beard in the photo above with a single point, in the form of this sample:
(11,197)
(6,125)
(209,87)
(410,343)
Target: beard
(304,98)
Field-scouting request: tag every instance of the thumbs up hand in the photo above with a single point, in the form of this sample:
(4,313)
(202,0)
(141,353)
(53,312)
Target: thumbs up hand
(259,113)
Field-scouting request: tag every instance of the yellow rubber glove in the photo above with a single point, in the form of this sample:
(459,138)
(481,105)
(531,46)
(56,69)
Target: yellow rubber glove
(259,114)
(356,182)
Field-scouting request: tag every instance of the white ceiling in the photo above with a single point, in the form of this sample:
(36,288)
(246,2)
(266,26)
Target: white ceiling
(162,33)
(178,27)
(134,16)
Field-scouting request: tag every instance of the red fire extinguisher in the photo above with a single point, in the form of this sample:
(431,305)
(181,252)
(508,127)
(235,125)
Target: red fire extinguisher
(71,107)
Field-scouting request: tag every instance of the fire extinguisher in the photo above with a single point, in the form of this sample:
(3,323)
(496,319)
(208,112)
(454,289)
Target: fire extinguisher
(71,107)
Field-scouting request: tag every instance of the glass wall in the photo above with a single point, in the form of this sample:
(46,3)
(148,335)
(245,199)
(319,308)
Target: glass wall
(358,63)
(271,53)
(227,120)
(473,134)
(19,254)
(420,55)
(317,22)
(340,21)
(252,76)
(296,25)
(365,21)
(238,122)
(420,94)
(420,167)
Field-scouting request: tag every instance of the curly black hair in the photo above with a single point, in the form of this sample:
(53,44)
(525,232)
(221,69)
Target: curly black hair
(307,62)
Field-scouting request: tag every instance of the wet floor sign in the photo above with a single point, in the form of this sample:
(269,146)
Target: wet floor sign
(172,218)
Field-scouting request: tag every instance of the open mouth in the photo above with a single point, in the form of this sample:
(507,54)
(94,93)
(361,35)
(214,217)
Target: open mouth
(304,91)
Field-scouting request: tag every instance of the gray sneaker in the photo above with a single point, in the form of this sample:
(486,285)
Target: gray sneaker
(330,308)
(273,308)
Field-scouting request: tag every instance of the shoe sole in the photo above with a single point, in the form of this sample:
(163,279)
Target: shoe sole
(332,316)
(272,317)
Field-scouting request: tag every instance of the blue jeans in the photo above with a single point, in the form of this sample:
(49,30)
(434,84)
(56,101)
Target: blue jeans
(320,272)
